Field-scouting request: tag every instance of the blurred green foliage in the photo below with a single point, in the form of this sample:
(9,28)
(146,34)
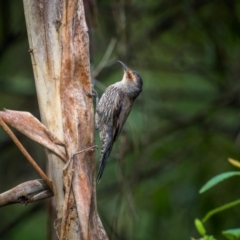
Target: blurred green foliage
(232,234)
(179,133)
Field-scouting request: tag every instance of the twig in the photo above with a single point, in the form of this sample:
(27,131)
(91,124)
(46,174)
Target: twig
(105,58)
(86,149)
(26,154)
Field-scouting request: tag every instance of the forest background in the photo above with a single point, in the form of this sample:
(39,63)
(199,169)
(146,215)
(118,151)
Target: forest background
(181,130)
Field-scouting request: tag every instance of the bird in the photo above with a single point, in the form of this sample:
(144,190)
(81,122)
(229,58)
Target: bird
(112,111)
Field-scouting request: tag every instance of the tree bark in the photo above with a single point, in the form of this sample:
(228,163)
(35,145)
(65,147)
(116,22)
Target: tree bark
(59,48)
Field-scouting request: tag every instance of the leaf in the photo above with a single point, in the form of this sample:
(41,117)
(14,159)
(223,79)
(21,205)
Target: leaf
(219,178)
(200,227)
(232,234)
(208,238)
(234,162)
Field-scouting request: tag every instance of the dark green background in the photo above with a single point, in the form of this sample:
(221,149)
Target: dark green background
(182,128)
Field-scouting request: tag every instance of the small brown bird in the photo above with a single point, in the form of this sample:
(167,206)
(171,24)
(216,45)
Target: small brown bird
(112,111)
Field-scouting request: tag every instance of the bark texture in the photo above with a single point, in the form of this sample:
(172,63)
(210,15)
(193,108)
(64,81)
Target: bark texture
(59,48)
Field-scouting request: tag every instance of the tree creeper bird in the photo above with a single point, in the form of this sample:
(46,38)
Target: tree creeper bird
(113,109)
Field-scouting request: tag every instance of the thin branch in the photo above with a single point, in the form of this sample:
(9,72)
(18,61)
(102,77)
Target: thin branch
(86,149)
(25,153)
(26,192)
(220,209)
(105,58)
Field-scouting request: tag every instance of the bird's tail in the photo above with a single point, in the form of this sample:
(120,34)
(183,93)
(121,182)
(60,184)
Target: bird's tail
(103,162)
(101,169)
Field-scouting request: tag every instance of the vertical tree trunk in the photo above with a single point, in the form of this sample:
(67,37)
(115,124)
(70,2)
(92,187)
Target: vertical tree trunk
(59,48)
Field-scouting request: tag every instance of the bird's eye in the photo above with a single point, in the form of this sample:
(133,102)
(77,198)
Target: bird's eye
(131,76)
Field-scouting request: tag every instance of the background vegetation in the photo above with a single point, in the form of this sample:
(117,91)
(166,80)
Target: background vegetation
(182,128)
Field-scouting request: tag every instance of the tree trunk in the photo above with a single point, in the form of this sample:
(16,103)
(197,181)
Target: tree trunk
(59,48)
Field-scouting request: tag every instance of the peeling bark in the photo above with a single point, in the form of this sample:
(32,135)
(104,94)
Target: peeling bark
(27,124)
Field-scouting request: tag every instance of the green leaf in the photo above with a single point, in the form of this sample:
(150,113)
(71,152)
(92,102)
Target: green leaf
(219,178)
(208,238)
(200,227)
(234,162)
(232,234)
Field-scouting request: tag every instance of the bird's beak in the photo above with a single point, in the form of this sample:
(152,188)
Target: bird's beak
(123,65)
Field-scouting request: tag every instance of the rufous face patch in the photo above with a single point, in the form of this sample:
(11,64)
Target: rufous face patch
(130,76)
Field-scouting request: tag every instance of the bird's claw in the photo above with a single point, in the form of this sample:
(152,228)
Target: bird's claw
(88,93)
(94,94)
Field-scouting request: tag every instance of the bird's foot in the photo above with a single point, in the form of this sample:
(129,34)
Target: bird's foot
(94,94)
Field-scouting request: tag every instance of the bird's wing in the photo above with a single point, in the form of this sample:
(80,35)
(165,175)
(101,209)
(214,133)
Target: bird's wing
(105,108)
(103,122)
(121,110)
(111,114)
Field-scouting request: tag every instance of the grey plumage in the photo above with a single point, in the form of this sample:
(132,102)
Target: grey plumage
(113,110)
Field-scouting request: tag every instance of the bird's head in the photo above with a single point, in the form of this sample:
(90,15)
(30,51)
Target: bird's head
(131,78)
